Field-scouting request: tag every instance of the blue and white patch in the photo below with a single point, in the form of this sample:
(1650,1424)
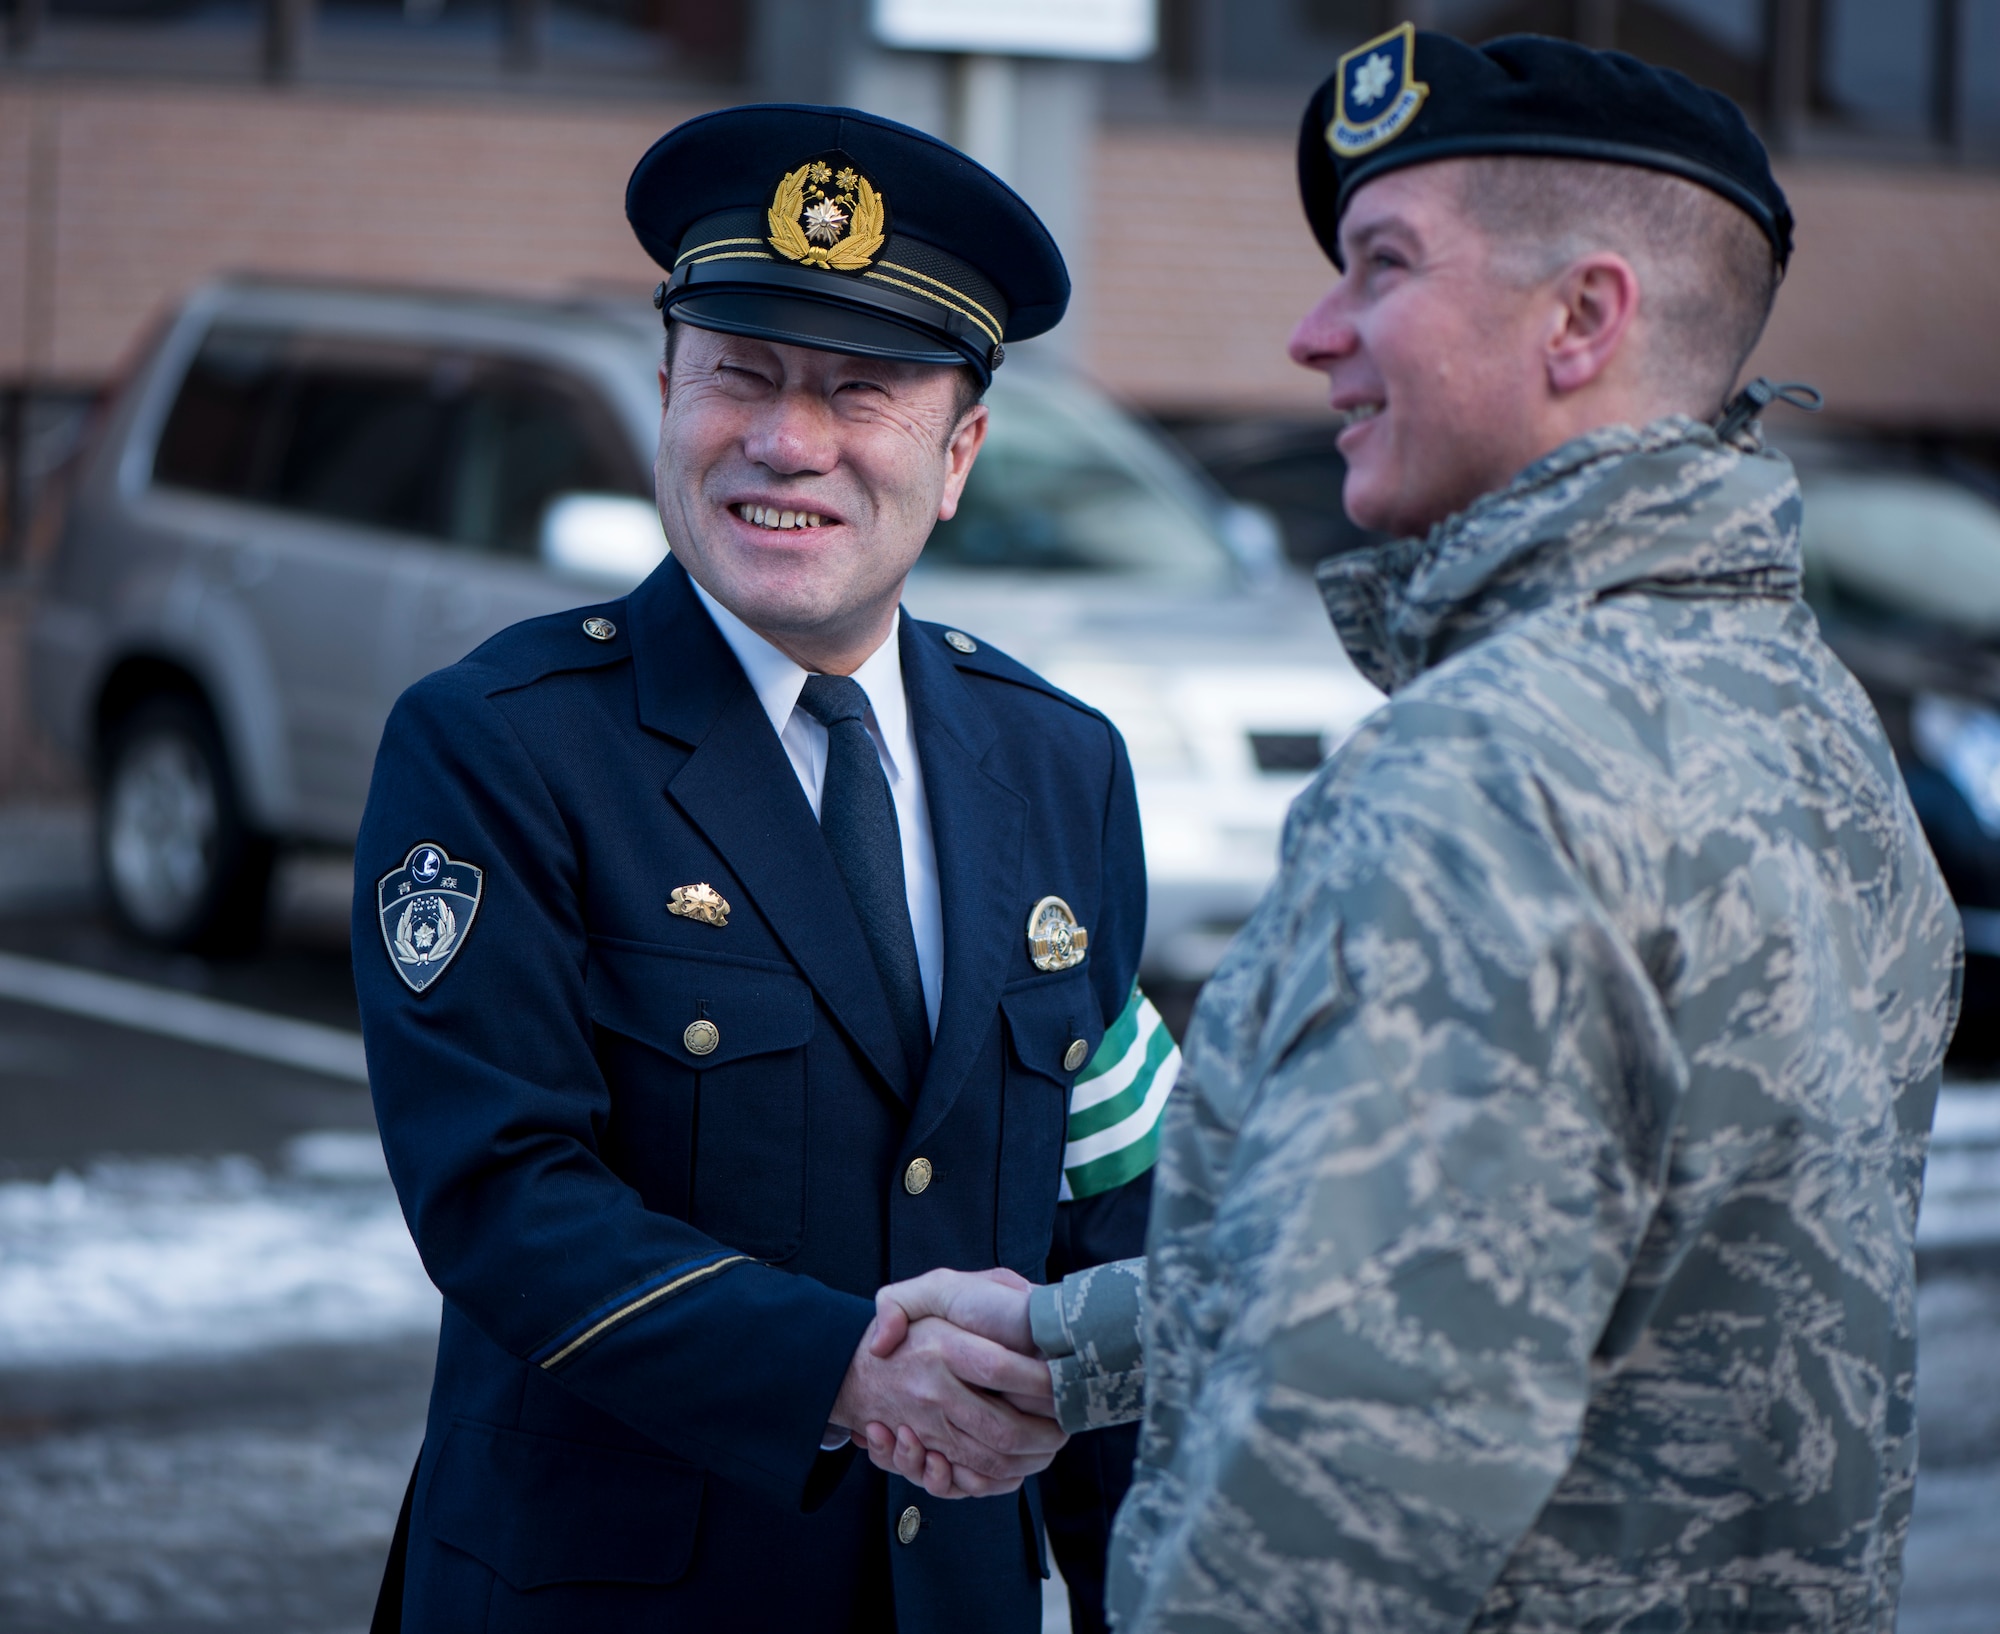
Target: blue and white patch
(426,908)
(1374,96)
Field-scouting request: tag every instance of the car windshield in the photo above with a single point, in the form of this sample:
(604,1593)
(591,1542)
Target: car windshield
(1905,546)
(1068,483)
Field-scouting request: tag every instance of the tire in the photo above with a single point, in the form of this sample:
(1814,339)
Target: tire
(181,866)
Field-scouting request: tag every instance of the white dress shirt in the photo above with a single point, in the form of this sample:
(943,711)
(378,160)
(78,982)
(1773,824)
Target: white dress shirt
(777,681)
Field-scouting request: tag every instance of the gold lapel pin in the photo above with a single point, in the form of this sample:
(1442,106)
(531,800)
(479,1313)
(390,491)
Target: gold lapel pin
(702,901)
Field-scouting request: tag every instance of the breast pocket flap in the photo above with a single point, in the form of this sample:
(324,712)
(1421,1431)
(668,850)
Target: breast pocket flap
(700,1012)
(1047,1019)
(537,1511)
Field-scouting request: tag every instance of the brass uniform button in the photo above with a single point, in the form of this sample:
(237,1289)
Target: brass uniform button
(915,1178)
(599,629)
(701,1037)
(907,1524)
(1075,1056)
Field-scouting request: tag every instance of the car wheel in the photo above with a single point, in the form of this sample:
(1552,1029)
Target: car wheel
(181,866)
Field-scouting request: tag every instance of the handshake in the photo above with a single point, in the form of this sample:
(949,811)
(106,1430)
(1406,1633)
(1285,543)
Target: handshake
(947,1388)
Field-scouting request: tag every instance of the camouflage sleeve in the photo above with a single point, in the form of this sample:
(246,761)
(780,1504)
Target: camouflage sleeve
(1414,1151)
(1091,1326)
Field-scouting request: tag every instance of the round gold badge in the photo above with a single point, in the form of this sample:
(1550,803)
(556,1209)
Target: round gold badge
(701,1037)
(1055,940)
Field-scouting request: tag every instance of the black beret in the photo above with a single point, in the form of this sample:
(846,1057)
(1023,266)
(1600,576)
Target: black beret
(1411,96)
(835,229)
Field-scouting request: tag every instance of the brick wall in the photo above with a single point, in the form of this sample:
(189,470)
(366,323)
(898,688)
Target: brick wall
(115,200)
(155,189)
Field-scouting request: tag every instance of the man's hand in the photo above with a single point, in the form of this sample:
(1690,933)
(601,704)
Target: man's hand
(949,1393)
(991,1304)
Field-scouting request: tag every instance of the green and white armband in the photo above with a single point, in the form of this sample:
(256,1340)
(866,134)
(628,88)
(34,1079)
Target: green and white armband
(1115,1106)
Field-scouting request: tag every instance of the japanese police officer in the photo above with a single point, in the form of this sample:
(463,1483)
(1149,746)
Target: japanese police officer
(731,949)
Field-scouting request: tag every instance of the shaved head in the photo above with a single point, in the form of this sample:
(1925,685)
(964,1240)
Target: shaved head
(1706,273)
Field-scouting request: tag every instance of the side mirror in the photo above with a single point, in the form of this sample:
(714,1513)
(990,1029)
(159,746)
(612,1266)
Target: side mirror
(608,540)
(1254,541)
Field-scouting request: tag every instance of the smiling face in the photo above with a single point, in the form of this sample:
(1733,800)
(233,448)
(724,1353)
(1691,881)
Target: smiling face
(1437,366)
(798,487)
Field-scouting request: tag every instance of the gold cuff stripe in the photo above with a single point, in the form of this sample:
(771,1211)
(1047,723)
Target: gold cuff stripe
(935,299)
(640,1304)
(713,244)
(992,323)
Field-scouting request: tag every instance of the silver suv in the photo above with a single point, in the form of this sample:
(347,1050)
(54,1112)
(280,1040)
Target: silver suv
(308,497)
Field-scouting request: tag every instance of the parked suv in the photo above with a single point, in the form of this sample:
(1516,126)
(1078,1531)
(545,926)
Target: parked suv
(308,497)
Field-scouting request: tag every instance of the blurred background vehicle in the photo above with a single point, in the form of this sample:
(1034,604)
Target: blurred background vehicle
(308,497)
(1902,564)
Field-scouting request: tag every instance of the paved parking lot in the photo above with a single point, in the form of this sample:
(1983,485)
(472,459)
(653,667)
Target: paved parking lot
(215,1336)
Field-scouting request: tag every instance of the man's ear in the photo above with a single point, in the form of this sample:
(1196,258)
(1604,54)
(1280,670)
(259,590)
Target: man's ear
(959,454)
(1597,301)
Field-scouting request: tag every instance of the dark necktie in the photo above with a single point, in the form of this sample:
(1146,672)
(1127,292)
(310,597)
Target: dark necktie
(858,819)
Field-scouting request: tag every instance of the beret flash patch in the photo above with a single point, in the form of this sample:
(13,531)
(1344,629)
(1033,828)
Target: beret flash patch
(1375,98)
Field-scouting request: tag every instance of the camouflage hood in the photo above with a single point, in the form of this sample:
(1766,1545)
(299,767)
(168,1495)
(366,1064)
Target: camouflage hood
(1670,507)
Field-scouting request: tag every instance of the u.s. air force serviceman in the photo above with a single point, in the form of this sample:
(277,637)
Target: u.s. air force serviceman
(1532,1245)
(730,949)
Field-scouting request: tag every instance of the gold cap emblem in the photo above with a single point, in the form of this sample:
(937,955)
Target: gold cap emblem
(701,1037)
(702,901)
(1055,940)
(827,214)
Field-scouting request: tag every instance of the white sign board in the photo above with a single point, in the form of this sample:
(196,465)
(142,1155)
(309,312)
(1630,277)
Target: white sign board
(1112,30)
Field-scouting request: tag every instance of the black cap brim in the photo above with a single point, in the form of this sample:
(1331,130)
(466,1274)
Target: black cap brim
(825,326)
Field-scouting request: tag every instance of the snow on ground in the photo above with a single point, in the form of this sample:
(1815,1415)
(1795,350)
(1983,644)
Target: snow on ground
(150,1260)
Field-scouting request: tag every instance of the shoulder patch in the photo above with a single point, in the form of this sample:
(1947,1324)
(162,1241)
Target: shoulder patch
(426,909)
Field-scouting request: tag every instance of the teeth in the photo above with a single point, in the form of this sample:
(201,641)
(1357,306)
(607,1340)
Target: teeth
(769,516)
(1354,416)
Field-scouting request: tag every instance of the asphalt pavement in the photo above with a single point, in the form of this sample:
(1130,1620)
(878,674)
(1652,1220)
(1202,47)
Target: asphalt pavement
(215,1336)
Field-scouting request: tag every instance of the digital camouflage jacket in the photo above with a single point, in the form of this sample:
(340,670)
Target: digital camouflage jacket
(1532,1241)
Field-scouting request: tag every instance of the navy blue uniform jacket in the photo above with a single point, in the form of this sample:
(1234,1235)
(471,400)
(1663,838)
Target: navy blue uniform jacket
(656,1265)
